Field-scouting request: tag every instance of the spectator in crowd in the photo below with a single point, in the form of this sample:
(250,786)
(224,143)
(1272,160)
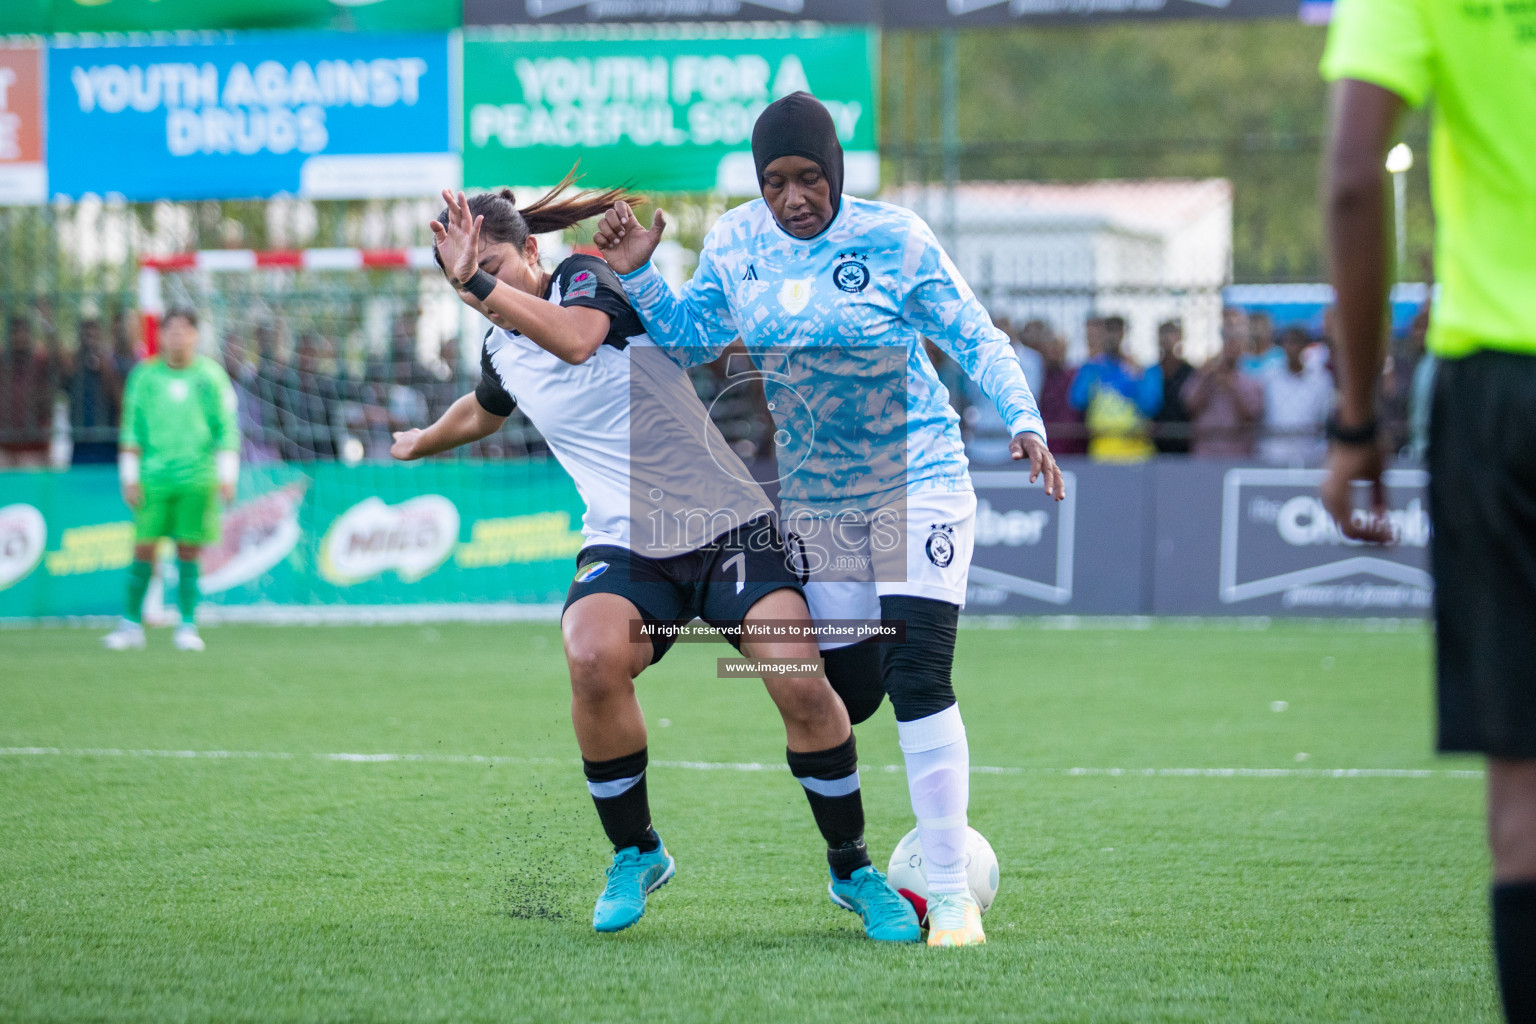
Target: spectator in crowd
(1397,377)
(1263,354)
(270,389)
(1298,395)
(1093,335)
(1028,344)
(407,405)
(407,369)
(443,388)
(1171,424)
(27,386)
(125,343)
(1225,404)
(1117,398)
(95,397)
(243,376)
(1421,391)
(1063,423)
(1235,319)
(312,399)
(438,389)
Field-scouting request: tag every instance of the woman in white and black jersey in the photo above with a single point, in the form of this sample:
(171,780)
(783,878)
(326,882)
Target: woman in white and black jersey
(625,422)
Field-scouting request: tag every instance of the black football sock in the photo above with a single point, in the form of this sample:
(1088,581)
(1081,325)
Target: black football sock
(618,790)
(831,781)
(1514,948)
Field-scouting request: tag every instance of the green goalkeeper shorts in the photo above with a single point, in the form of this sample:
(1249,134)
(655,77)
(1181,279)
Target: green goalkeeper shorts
(187,515)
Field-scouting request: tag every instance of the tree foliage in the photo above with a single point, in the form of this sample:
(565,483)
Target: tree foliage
(1241,100)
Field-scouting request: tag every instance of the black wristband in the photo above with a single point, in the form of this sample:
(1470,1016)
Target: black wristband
(1365,433)
(480,286)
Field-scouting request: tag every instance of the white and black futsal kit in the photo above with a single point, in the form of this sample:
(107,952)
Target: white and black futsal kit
(674,522)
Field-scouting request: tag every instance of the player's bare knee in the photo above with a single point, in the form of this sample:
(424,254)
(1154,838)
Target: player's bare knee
(1512,817)
(1512,835)
(599,673)
(807,700)
(1512,842)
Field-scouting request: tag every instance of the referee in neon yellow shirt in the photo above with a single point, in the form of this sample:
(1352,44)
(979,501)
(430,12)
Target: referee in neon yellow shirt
(178,462)
(1475,60)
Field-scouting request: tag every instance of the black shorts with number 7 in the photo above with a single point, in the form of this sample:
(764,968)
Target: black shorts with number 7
(719,582)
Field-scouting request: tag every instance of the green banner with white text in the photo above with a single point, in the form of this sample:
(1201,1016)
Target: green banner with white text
(664,112)
(325,535)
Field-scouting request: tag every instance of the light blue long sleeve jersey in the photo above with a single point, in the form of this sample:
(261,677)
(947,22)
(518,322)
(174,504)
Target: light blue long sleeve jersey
(840,318)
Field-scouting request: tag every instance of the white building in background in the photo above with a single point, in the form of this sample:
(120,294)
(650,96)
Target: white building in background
(1146,250)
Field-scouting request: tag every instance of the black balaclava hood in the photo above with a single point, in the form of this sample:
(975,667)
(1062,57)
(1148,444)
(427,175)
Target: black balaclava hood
(798,125)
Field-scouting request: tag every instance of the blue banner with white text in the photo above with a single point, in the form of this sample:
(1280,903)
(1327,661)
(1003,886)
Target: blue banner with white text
(321,115)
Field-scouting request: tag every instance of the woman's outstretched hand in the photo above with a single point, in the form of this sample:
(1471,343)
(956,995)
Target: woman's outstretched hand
(458,244)
(623,242)
(1042,463)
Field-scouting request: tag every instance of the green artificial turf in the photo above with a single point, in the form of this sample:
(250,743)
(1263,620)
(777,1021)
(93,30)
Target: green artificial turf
(139,887)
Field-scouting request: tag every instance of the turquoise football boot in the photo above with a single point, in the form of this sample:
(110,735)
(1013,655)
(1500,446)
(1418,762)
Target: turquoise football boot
(633,876)
(886,914)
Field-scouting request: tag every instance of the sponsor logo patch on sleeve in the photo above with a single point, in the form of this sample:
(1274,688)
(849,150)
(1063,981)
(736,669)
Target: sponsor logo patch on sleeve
(583,286)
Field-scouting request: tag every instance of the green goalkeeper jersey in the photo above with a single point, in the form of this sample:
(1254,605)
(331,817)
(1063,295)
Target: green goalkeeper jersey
(178,419)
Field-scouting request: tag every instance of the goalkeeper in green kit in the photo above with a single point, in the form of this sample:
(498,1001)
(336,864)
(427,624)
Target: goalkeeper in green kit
(179,457)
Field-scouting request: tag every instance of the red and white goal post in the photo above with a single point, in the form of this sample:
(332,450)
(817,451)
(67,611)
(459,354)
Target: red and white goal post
(152,269)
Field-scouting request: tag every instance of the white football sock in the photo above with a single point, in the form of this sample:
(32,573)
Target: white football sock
(939,781)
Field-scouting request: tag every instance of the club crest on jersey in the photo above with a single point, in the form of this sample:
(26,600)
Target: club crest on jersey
(941,545)
(795,294)
(851,275)
(588,573)
(583,285)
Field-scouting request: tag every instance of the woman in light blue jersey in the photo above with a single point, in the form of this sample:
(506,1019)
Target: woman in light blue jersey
(832,296)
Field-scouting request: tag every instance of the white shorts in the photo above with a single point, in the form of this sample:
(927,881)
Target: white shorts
(920,548)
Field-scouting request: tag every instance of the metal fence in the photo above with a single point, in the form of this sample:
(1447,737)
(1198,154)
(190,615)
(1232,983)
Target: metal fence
(1063,257)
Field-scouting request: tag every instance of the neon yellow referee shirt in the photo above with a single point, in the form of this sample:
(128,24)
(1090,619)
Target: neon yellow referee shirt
(1477,59)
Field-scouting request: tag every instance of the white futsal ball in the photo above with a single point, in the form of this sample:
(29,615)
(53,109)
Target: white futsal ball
(906,871)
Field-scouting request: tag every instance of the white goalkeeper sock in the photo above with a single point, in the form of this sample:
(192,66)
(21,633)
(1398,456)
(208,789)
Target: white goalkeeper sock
(939,781)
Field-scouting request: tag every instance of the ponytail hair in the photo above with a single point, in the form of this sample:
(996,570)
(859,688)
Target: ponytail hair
(553,211)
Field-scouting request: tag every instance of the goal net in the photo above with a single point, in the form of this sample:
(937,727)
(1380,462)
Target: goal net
(330,352)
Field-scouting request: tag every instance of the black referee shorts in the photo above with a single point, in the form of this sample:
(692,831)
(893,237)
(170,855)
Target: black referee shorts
(1482,496)
(719,582)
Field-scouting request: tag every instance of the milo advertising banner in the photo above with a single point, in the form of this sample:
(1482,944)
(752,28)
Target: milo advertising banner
(656,110)
(427,533)
(1169,537)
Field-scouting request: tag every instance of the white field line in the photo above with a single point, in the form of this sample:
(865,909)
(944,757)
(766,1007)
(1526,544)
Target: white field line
(498,612)
(753,766)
